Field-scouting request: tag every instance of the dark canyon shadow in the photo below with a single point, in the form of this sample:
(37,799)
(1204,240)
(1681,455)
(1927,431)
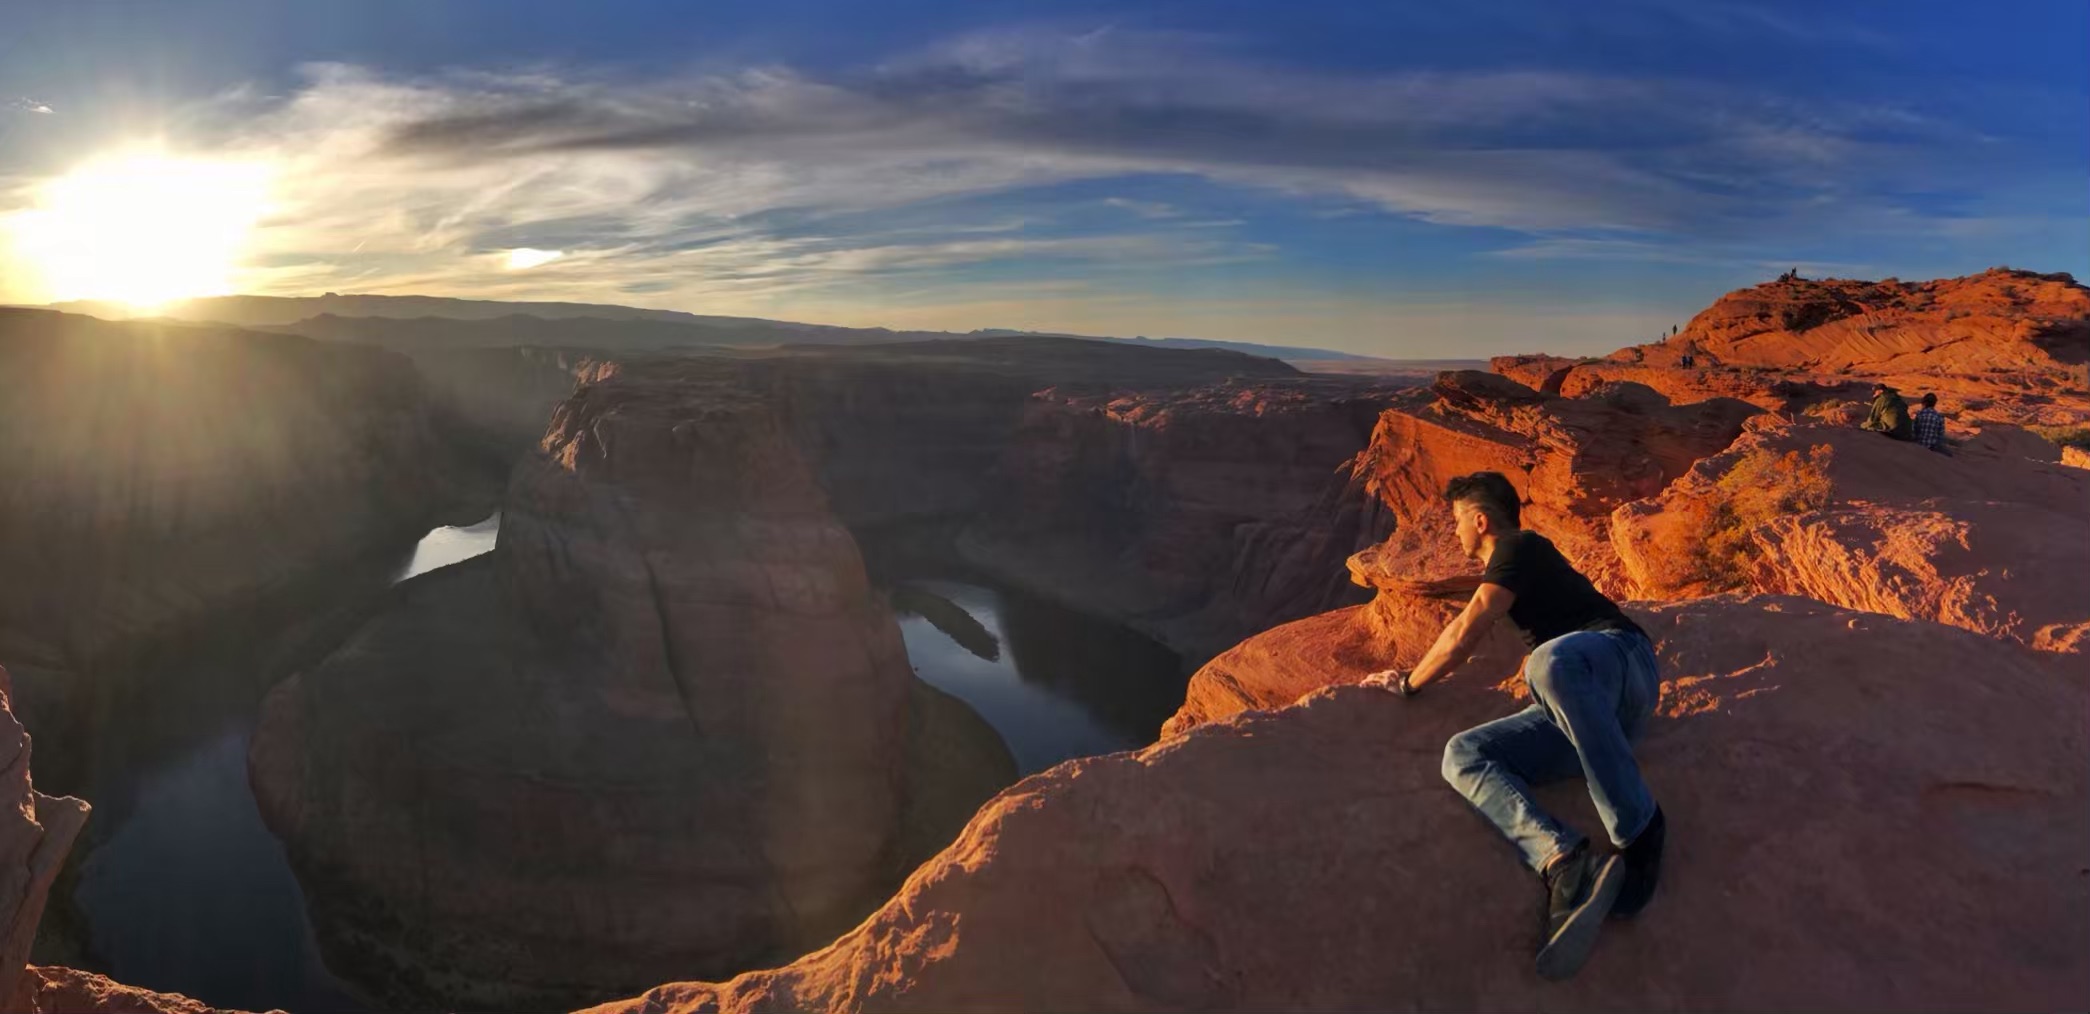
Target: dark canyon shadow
(176,884)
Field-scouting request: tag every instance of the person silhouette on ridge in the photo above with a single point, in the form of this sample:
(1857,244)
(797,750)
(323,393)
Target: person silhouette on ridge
(1594,684)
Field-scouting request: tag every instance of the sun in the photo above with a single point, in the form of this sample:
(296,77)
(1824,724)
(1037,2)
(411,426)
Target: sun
(143,229)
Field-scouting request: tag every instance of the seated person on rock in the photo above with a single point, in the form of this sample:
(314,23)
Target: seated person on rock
(1930,426)
(1594,686)
(1890,414)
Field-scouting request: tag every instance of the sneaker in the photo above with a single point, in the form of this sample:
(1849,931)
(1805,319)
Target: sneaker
(1643,859)
(1579,892)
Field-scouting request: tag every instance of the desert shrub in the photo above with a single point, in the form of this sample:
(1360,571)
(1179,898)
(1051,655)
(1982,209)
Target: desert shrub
(1760,487)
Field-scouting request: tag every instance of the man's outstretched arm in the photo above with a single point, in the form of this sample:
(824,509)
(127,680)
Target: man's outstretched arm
(1457,640)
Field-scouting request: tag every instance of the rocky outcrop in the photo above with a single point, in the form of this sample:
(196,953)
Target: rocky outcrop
(1356,879)
(36,833)
(1988,539)
(665,724)
(160,475)
(1573,459)
(2000,346)
(57,990)
(2016,321)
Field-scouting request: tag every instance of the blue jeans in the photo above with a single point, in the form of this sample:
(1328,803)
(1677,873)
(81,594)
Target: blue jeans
(1592,693)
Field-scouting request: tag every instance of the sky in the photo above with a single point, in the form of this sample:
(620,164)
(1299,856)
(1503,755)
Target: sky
(1407,180)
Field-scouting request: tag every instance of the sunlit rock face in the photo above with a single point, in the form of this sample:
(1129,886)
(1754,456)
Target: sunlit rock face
(1573,460)
(36,833)
(1312,858)
(2003,346)
(161,474)
(1990,538)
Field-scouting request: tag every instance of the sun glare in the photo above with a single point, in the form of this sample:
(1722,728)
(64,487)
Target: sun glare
(523,258)
(141,229)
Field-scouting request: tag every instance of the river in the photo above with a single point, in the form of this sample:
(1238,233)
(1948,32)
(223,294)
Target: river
(180,888)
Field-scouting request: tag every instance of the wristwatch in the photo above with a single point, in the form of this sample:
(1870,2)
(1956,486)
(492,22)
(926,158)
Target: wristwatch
(1402,687)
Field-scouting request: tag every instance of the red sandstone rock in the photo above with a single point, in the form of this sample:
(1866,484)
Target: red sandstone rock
(70,991)
(36,833)
(1572,459)
(1986,539)
(1864,813)
(2008,346)
(2013,320)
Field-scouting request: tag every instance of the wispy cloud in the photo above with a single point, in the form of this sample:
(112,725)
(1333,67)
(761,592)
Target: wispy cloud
(769,186)
(26,105)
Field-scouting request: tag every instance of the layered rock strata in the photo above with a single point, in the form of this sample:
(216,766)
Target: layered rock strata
(665,724)
(1989,539)
(2004,346)
(1573,460)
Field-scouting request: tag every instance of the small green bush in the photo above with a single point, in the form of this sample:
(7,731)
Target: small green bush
(1760,487)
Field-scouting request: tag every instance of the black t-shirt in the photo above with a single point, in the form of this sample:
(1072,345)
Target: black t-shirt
(1552,597)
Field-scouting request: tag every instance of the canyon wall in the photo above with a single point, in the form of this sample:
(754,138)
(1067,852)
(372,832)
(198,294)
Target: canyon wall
(162,473)
(674,677)
(665,724)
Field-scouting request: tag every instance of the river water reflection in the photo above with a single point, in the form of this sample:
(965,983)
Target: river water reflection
(179,887)
(1055,683)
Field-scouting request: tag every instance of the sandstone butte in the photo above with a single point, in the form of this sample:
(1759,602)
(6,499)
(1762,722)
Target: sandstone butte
(1870,748)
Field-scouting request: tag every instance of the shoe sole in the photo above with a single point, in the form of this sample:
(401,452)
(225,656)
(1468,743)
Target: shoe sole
(1565,954)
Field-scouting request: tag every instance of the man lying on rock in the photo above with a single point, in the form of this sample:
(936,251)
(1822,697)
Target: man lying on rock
(1593,686)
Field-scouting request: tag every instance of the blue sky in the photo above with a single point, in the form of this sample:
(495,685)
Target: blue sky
(1426,180)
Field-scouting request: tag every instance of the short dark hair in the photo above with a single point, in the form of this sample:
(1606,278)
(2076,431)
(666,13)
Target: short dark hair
(1488,492)
(1930,400)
